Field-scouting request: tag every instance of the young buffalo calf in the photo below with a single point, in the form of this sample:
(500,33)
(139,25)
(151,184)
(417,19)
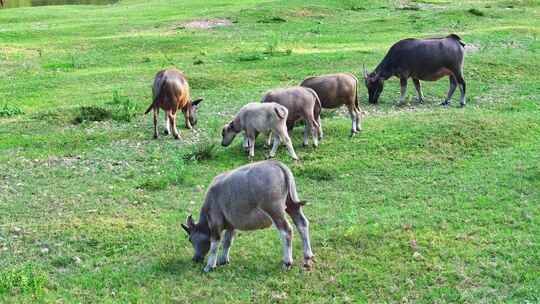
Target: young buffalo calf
(251,197)
(302,104)
(171,93)
(255,118)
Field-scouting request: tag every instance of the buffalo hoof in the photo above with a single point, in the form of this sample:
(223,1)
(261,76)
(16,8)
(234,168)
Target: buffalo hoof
(461,105)
(287,266)
(208,269)
(308,262)
(156,136)
(445,104)
(223,262)
(177,137)
(165,132)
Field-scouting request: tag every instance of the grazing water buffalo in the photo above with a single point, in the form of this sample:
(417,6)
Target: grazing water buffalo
(336,90)
(420,59)
(251,197)
(302,103)
(171,93)
(255,118)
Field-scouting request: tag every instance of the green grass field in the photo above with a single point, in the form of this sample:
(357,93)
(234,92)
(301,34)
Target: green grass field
(427,205)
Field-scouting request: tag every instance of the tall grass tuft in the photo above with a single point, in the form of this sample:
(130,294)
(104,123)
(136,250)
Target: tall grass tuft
(9,111)
(201,152)
(124,108)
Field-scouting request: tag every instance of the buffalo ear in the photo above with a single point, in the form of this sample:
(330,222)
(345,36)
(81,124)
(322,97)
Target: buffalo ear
(186,228)
(280,113)
(189,221)
(196,102)
(235,125)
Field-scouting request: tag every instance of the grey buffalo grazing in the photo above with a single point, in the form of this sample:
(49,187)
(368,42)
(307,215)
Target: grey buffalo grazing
(251,197)
(420,59)
(302,104)
(335,90)
(171,93)
(255,118)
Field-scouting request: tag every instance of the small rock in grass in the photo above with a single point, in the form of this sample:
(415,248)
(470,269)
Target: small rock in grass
(16,230)
(414,246)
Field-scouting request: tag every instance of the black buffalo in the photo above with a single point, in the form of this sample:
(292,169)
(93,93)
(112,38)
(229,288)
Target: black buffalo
(420,59)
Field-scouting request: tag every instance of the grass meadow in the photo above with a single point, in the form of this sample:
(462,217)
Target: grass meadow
(426,205)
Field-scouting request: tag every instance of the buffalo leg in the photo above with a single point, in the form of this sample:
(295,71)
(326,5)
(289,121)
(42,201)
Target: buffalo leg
(172,120)
(245,145)
(418,87)
(269,139)
(167,125)
(285,232)
(251,141)
(156,112)
(358,119)
(462,88)
(314,132)
(320,127)
(288,142)
(226,243)
(302,224)
(212,257)
(453,85)
(306,133)
(275,145)
(354,119)
(186,120)
(403,89)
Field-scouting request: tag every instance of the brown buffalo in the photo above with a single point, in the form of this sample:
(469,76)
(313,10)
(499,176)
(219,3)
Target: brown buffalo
(171,93)
(335,90)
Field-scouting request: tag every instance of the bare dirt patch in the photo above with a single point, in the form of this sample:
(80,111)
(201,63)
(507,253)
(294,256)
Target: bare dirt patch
(207,24)
(471,48)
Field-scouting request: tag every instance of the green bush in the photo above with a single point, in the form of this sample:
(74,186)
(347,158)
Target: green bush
(92,113)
